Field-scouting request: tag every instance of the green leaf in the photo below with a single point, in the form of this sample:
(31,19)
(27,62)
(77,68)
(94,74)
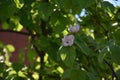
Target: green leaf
(116,34)
(74,74)
(115,53)
(60,3)
(108,6)
(92,76)
(75,5)
(78,5)
(85,3)
(19,3)
(84,47)
(28,2)
(59,22)
(1,67)
(10,48)
(52,50)
(45,10)
(78,75)
(118,73)
(19,78)
(66,75)
(7,6)
(17,66)
(44,42)
(31,55)
(67,55)
(22,56)
(102,54)
(5,25)
(26,18)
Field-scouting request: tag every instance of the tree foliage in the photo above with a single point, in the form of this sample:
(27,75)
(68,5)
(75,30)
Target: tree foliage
(93,55)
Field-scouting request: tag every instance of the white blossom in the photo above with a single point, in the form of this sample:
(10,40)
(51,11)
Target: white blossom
(68,40)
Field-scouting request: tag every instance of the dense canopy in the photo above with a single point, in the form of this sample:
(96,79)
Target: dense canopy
(63,44)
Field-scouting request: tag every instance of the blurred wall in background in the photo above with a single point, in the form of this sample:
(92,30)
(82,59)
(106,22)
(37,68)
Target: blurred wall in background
(19,41)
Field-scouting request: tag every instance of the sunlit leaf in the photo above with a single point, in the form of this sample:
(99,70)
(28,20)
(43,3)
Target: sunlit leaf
(68,55)
(10,48)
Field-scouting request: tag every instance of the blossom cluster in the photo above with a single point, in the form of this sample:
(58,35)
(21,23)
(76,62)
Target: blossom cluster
(68,40)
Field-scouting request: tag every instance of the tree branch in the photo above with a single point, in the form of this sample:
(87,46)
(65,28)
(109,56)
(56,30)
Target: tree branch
(17,32)
(112,69)
(11,31)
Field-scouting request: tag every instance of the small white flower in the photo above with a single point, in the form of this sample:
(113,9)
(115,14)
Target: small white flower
(75,28)
(68,40)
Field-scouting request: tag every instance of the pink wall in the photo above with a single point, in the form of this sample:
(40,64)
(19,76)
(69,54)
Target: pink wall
(17,40)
